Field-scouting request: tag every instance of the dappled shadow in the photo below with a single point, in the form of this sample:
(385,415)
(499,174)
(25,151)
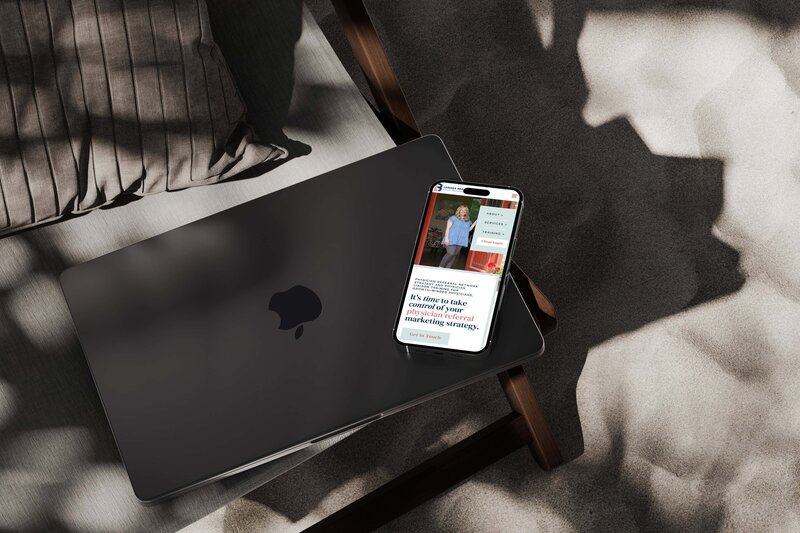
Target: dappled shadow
(618,236)
(59,467)
(771,11)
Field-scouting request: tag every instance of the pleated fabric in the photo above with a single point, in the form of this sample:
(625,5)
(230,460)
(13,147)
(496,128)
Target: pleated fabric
(100,98)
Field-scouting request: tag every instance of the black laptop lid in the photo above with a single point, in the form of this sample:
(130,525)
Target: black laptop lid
(197,377)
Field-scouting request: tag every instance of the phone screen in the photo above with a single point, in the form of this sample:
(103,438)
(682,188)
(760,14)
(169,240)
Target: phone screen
(458,271)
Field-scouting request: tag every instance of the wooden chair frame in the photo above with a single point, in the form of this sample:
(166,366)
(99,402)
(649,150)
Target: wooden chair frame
(526,425)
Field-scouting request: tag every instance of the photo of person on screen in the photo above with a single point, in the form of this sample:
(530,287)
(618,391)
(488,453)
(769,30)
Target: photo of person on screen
(456,235)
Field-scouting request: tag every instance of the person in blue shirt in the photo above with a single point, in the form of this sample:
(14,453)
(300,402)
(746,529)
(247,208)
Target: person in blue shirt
(456,235)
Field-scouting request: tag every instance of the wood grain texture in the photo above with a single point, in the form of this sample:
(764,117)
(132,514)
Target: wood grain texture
(374,63)
(519,392)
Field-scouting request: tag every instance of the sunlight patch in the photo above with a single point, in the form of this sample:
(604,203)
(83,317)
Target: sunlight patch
(39,310)
(15,261)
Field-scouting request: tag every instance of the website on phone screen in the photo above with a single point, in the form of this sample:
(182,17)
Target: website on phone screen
(458,266)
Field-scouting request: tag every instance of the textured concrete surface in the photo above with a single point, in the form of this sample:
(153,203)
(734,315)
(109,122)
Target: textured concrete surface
(658,144)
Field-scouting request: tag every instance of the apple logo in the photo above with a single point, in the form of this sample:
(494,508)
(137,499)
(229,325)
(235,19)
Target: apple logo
(295,307)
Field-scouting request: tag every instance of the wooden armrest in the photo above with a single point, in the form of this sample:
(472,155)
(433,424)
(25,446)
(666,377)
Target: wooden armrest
(401,125)
(374,63)
(539,305)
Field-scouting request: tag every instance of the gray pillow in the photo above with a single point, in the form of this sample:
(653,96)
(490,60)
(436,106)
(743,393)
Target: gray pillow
(102,98)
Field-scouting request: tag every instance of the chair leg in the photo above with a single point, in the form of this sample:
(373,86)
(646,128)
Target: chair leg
(519,392)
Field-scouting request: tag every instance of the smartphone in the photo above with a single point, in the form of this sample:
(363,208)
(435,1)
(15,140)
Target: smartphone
(459,271)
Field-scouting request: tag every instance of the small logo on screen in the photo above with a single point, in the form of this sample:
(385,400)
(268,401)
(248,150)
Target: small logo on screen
(437,187)
(513,195)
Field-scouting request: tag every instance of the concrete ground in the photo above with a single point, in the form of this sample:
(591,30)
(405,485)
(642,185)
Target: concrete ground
(659,147)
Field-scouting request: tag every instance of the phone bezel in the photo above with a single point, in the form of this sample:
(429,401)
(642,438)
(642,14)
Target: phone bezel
(503,281)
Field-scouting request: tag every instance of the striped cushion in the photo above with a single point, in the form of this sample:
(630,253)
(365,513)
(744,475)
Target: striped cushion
(104,97)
